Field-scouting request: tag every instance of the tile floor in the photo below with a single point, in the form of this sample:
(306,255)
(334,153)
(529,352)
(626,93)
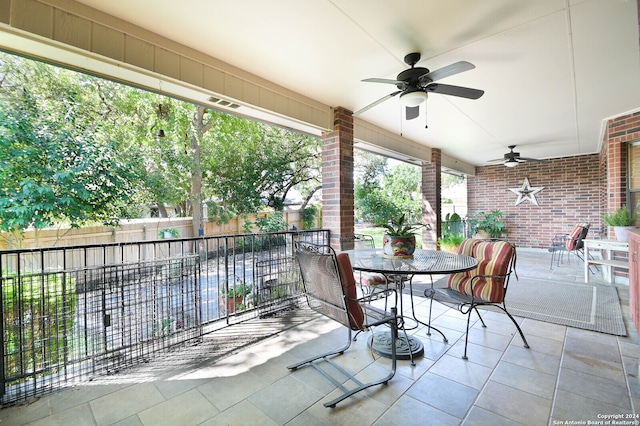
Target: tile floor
(567,375)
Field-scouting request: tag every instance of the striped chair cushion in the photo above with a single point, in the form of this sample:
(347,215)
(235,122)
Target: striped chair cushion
(356,315)
(370,279)
(466,247)
(572,240)
(493,258)
(457,280)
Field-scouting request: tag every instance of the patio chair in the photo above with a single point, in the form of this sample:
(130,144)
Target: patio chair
(486,285)
(330,289)
(569,243)
(369,281)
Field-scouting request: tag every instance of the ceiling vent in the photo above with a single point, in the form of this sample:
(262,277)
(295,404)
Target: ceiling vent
(223,103)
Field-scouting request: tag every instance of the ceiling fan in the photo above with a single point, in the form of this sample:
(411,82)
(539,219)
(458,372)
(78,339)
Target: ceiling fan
(416,82)
(512,159)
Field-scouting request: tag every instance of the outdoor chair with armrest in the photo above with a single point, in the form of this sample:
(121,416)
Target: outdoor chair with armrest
(486,285)
(569,243)
(330,289)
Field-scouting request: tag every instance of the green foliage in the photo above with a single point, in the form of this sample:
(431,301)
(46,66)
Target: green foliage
(452,224)
(399,227)
(309,216)
(381,193)
(75,148)
(450,240)
(267,163)
(39,311)
(620,217)
(173,233)
(272,223)
(237,289)
(247,227)
(56,163)
(374,206)
(491,223)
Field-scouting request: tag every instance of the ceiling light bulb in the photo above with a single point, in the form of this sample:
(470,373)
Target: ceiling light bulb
(413,99)
(511,163)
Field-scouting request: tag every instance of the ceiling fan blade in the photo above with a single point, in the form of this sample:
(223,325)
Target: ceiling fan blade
(449,70)
(532,159)
(382,80)
(379,101)
(463,92)
(412,112)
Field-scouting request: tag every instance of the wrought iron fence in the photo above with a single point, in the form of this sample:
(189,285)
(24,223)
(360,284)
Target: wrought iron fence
(70,313)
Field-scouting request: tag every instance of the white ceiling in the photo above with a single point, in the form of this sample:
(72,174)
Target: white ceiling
(552,70)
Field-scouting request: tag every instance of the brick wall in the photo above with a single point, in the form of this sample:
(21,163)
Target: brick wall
(619,132)
(571,194)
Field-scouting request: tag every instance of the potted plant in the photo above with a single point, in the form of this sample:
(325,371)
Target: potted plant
(621,220)
(168,233)
(450,242)
(399,240)
(489,225)
(234,294)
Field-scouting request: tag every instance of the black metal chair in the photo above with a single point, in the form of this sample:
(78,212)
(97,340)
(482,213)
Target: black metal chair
(569,243)
(330,289)
(486,285)
(369,281)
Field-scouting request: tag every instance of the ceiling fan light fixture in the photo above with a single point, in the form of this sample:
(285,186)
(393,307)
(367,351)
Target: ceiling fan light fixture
(511,163)
(413,99)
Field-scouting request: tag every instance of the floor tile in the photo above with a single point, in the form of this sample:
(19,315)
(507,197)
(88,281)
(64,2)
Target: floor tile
(446,395)
(189,408)
(240,414)
(130,400)
(79,415)
(514,404)
(481,417)
(409,412)
(570,406)
(525,379)
(530,358)
(607,391)
(461,371)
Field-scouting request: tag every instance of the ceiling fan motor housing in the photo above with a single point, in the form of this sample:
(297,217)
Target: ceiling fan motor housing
(411,78)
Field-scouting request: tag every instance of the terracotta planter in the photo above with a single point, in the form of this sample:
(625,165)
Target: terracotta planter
(398,247)
(482,234)
(231,303)
(449,247)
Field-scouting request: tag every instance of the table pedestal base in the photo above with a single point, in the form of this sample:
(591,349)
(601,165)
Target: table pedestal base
(406,347)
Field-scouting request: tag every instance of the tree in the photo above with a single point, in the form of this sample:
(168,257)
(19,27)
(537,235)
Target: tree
(251,165)
(402,185)
(382,192)
(53,169)
(77,148)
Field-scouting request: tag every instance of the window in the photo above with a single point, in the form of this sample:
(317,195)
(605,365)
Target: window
(634,178)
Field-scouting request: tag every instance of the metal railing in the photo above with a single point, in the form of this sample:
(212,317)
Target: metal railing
(71,313)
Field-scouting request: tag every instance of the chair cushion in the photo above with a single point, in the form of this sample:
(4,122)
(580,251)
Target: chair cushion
(494,258)
(370,279)
(572,240)
(466,247)
(356,315)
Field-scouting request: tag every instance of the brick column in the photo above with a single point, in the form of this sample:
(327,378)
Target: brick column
(620,131)
(337,177)
(431,199)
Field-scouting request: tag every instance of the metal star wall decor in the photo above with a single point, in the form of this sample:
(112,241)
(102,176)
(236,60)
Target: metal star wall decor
(526,192)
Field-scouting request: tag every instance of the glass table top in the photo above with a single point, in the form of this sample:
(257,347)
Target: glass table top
(423,262)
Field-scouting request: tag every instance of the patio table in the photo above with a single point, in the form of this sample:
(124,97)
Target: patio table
(399,271)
